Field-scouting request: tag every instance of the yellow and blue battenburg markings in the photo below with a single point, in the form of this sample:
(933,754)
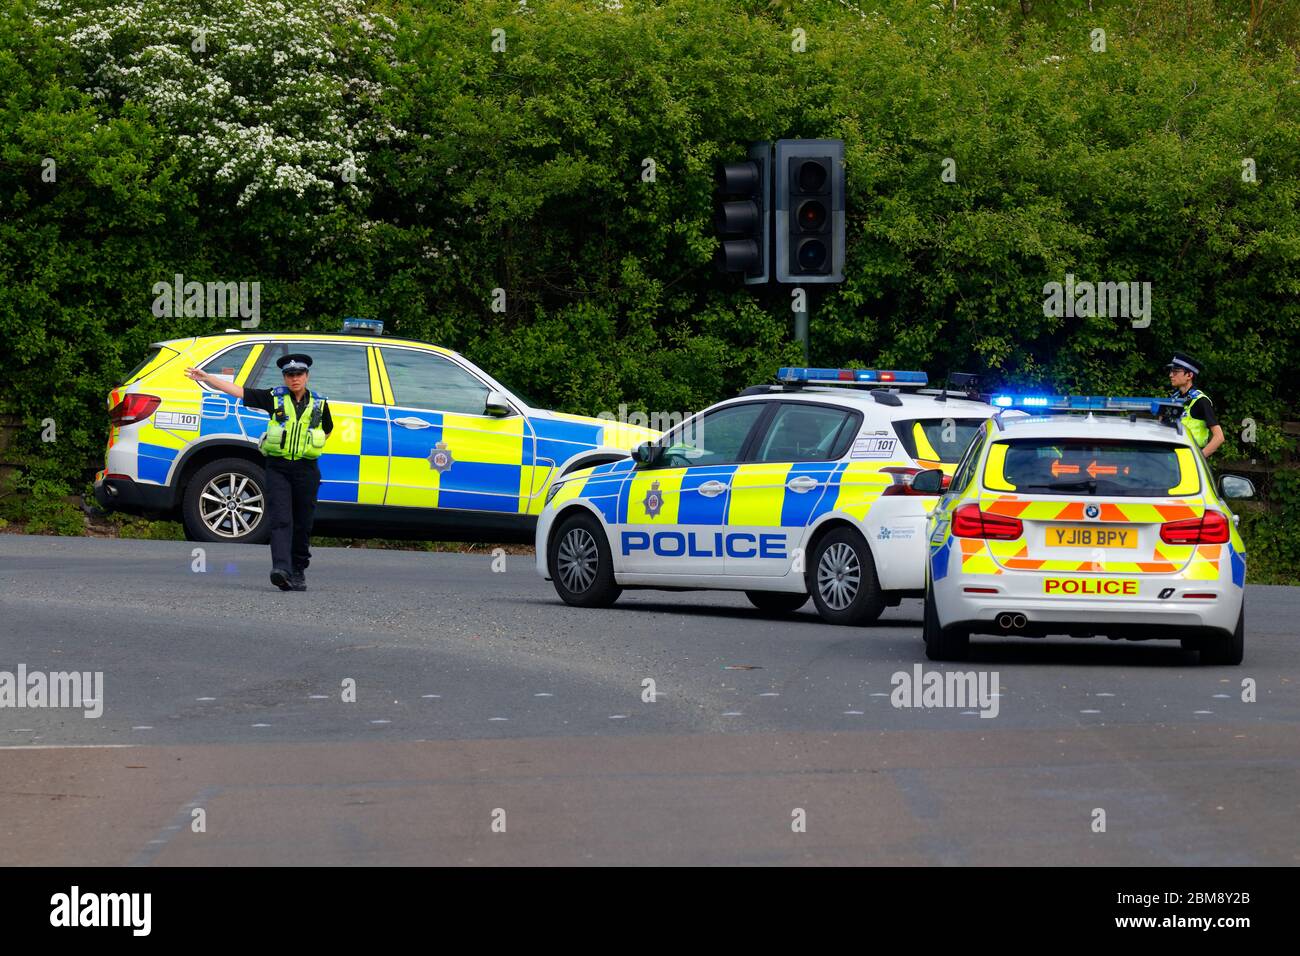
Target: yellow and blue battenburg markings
(671,495)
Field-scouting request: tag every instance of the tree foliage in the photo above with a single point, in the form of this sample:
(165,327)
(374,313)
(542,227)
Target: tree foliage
(524,169)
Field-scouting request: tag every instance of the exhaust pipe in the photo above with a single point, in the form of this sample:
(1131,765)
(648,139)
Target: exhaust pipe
(1011,621)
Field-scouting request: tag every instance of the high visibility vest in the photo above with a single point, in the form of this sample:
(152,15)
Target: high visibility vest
(290,435)
(1195,427)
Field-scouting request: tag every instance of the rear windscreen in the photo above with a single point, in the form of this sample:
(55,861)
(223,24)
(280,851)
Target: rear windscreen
(1120,468)
(150,356)
(937,439)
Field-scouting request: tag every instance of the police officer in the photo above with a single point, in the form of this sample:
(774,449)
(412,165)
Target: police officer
(1198,417)
(295,436)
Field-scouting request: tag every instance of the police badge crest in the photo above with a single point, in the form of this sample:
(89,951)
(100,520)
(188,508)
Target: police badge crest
(653,501)
(440,458)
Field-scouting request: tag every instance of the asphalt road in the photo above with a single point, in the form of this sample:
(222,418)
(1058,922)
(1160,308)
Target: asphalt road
(482,703)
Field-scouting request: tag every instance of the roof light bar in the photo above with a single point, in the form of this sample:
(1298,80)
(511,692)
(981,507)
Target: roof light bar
(1083,403)
(364,326)
(851,376)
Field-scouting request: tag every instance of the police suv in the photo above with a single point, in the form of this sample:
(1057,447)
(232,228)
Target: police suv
(1082,525)
(425,443)
(799,488)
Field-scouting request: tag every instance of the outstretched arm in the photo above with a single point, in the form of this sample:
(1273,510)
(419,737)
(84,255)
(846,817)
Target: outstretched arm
(220,384)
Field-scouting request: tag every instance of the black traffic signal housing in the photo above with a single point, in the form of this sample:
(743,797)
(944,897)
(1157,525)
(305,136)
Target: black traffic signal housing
(744,216)
(809,211)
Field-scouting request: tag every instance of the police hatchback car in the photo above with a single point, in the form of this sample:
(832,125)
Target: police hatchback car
(785,491)
(425,444)
(1085,525)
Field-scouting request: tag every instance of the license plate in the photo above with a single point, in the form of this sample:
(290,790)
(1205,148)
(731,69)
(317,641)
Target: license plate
(1090,536)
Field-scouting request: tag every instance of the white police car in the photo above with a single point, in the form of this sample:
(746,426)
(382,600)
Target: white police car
(787,490)
(1085,525)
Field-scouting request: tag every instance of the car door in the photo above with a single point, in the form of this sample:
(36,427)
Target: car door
(939,525)
(775,493)
(354,465)
(676,513)
(447,452)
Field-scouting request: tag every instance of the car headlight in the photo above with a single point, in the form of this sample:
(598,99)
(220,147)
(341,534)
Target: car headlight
(551,491)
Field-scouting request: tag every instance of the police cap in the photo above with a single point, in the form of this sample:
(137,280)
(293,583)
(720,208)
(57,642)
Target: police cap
(296,362)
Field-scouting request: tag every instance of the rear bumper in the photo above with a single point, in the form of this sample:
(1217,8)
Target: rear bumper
(133,497)
(1146,616)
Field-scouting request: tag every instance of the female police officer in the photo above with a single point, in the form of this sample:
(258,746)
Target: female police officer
(295,436)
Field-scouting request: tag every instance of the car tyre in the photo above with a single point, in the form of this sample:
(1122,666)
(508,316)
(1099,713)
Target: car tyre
(1229,649)
(776,602)
(942,643)
(579,562)
(240,483)
(841,578)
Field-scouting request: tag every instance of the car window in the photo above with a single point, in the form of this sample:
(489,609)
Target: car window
(800,432)
(339,372)
(1091,467)
(229,362)
(966,469)
(426,380)
(714,438)
(937,439)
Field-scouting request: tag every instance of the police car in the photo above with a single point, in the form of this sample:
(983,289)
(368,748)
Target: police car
(425,444)
(1082,525)
(799,488)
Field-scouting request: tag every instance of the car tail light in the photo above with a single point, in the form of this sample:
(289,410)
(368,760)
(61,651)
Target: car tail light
(132,409)
(969,522)
(903,482)
(1211,528)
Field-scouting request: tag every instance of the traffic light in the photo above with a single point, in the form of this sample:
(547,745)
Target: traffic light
(809,210)
(744,216)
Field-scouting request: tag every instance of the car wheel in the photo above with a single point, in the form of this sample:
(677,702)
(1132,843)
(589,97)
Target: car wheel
(841,578)
(1227,649)
(776,602)
(225,500)
(942,643)
(580,564)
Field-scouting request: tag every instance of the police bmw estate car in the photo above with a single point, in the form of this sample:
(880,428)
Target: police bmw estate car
(785,491)
(1082,526)
(425,444)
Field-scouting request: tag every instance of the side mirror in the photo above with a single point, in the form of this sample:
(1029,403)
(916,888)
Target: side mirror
(932,482)
(648,454)
(497,406)
(1235,486)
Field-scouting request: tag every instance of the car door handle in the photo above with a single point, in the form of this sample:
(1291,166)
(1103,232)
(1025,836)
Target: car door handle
(803,484)
(711,489)
(412,423)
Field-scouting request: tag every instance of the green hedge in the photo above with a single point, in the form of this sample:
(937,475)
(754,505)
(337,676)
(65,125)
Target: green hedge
(522,170)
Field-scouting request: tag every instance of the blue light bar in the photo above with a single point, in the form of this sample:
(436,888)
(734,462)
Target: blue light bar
(851,376)
(1082,403)
(366,326)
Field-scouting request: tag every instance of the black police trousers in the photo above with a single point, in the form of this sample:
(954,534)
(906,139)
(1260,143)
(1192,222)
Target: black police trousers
(291,488)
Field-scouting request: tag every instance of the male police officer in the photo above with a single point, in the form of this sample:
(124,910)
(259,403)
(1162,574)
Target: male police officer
(1198,416)
(295,436)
